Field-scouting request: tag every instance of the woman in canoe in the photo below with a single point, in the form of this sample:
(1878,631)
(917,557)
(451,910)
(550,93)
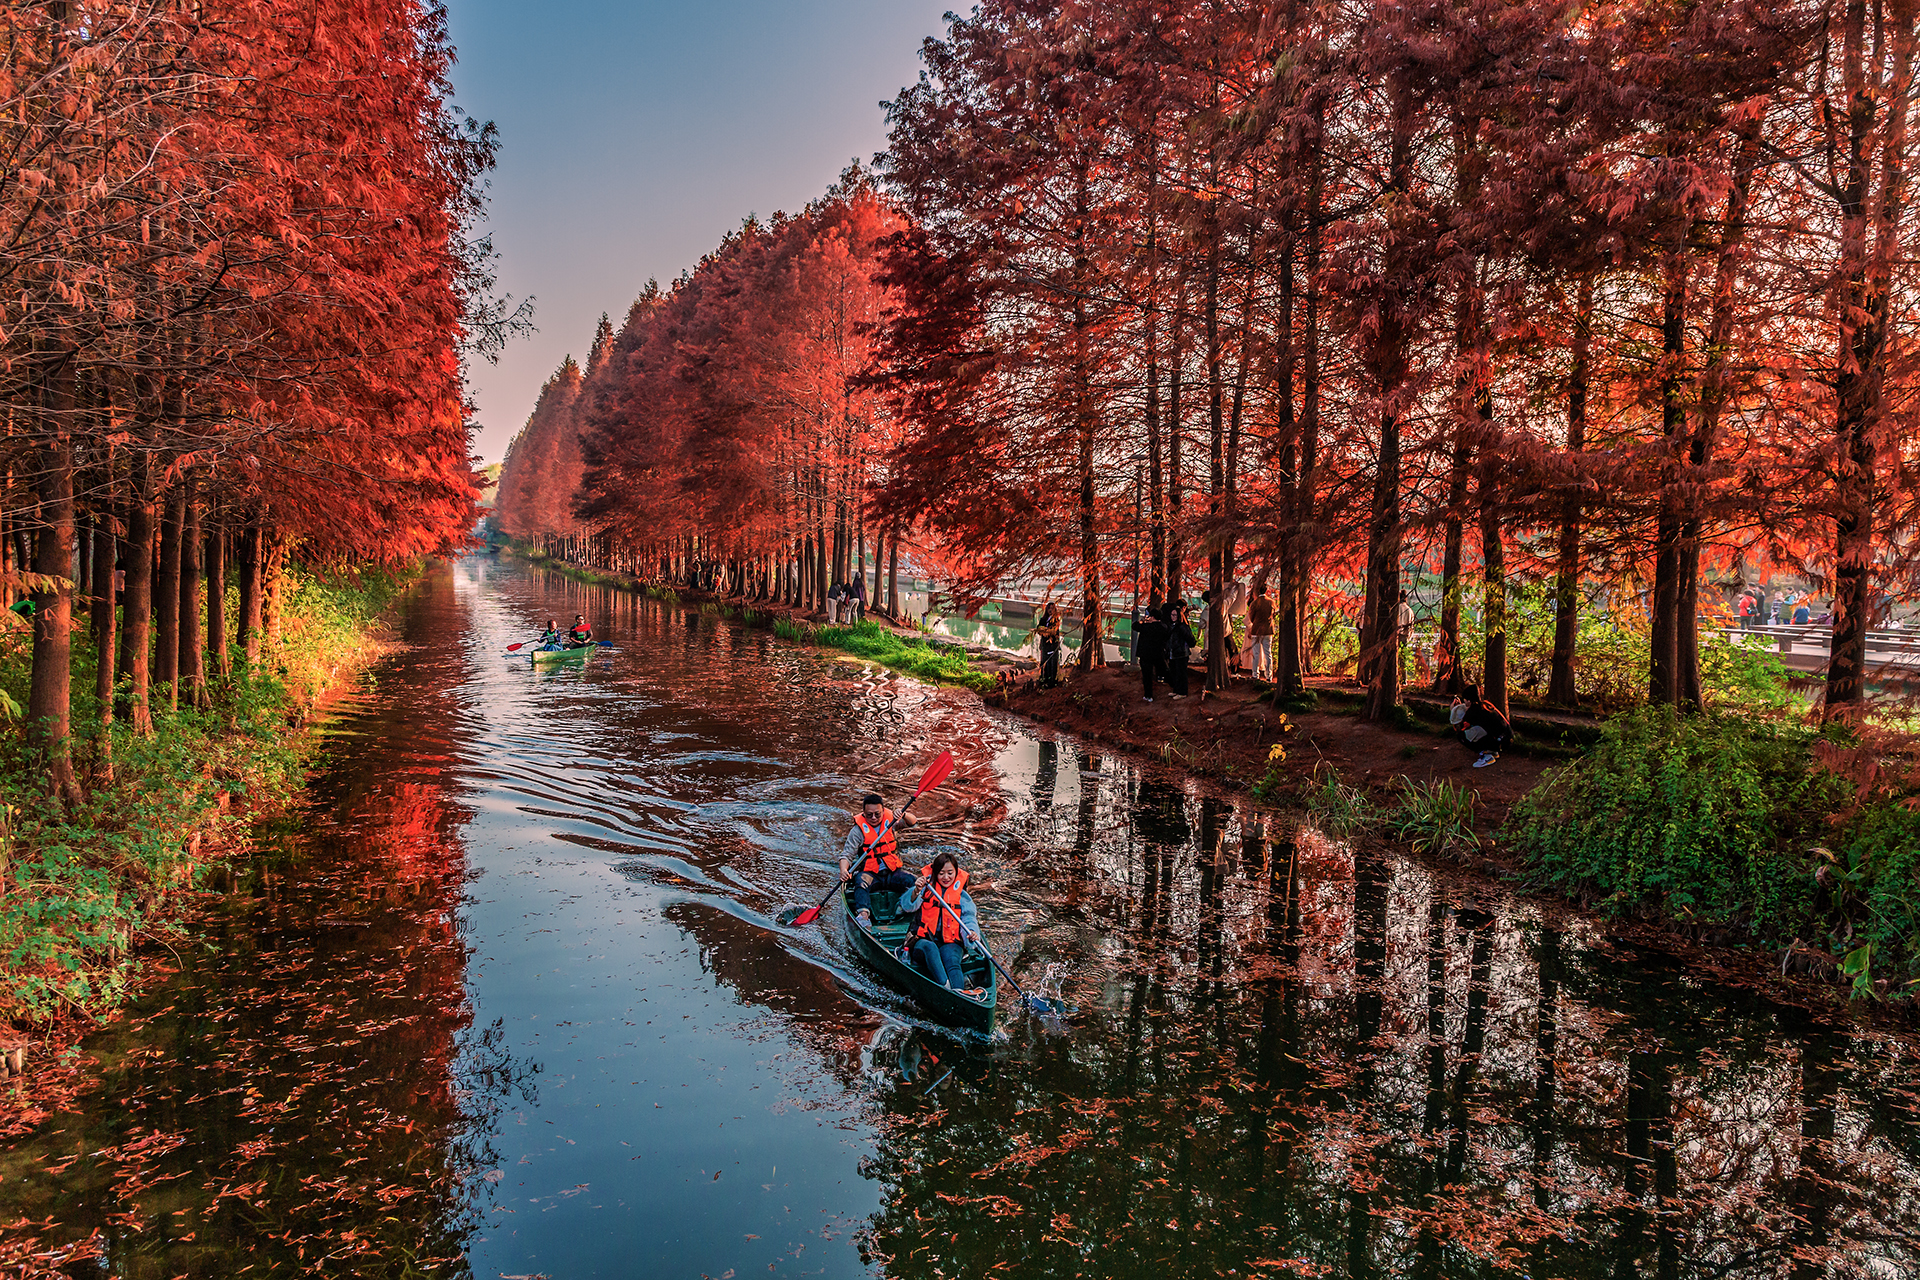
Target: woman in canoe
(551,638)
(937,938)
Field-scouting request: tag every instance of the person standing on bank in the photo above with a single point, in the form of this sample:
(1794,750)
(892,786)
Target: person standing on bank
(939,944)
(1179,646)
(859,590)
(1260,632)
(1150,645)
(1048,632)
(870,855)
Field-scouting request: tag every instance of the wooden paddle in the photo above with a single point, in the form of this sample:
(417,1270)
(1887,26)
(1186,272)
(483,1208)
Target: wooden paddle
(935,775)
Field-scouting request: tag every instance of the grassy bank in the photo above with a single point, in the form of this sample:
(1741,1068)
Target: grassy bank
(1759,828)
(925,659)
(917,656)
(81,889)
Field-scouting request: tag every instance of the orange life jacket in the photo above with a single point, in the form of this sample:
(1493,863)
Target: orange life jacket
(935,921)
(881,843)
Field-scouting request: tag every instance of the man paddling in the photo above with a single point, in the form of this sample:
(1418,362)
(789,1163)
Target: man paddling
(582,634)
(870,855)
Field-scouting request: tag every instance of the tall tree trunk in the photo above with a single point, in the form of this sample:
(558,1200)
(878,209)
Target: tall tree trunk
(1450,672)
(1216,461)
(219,663)
(193,672)
(105,557)
(166,599)
(1176,424)
(1871,239)
(1156,518)
(1713,396)
(49,692)
(252,567)
(1493,556)
(136,609)
(1566,587)
(1663,674)
(1388,358)
(1306,513)
(893,574)
(1286,631)
(273,585)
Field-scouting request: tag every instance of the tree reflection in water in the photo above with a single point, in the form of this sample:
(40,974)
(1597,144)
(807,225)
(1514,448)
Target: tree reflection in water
(1299,1058)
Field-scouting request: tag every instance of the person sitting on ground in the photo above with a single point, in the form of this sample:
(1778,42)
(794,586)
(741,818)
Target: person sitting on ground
(870,855)
(582,633)
(937,937)
(1481,725)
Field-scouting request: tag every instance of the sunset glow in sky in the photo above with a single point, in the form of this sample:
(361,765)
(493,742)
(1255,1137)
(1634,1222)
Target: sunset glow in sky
(636,134)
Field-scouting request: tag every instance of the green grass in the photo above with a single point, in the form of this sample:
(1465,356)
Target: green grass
(940,664)
(1435,817)
(1338,809)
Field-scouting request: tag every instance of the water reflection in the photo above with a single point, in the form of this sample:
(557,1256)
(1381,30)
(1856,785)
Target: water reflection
(508,996)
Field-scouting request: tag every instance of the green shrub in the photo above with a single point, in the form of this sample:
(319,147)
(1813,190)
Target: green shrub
(1698,816)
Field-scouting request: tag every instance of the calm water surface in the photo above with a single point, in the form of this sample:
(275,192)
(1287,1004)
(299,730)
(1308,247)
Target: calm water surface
(506,1000)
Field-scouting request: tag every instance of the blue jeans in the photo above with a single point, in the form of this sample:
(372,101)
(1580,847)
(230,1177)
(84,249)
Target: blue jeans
(941,961)
(864,883)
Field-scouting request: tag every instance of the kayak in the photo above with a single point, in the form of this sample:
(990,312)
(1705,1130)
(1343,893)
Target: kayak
(879,947)
(563,654)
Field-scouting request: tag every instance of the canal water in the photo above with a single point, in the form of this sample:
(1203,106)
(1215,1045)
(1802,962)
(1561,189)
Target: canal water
(506,999)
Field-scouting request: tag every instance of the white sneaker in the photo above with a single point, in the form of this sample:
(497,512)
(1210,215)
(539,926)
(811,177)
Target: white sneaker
(1486,758)
(865,918)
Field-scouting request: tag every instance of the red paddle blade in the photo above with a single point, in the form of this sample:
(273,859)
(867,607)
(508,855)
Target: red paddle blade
(805,917)
(512,647)
(935,775)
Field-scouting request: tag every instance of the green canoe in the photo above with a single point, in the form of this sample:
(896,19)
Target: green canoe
(563,655)
(880,946)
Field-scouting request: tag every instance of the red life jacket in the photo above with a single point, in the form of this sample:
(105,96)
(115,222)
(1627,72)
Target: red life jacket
(881,843)
(935,921)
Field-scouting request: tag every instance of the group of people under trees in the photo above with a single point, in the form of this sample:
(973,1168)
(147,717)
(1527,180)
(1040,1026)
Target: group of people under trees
(847,601)
(1164,640)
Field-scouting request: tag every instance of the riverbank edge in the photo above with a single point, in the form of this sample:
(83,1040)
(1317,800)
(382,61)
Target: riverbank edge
(1234,757)
(985,670)
(209,823)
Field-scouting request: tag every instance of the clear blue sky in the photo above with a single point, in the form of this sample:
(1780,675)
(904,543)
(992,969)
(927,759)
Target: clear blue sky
(635,134)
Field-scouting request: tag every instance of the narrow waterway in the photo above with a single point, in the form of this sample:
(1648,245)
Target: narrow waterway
(506,999)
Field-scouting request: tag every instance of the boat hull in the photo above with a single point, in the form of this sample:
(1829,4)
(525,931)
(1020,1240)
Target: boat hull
(878,948)
(541,657)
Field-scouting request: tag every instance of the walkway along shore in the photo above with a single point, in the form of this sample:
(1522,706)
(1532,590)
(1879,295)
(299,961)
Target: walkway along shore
(1227,739)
